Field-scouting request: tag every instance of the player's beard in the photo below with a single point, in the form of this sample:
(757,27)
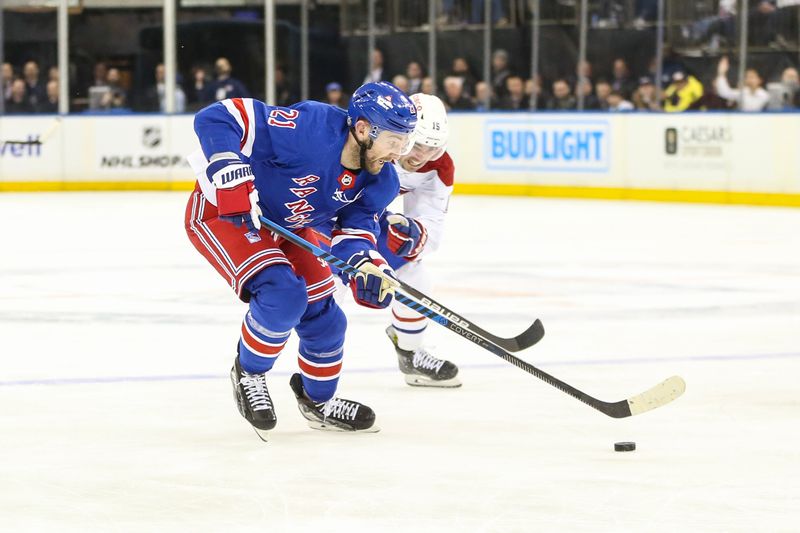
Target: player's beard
(373,164)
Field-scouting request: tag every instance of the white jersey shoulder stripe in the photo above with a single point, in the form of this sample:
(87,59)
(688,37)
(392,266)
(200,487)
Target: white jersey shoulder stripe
(247,122)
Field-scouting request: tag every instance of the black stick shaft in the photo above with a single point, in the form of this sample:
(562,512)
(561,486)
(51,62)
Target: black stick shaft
(616,410)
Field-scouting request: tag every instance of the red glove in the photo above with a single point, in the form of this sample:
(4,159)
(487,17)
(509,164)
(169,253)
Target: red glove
(405,236)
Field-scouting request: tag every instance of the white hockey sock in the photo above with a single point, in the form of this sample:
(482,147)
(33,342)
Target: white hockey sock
(410,327)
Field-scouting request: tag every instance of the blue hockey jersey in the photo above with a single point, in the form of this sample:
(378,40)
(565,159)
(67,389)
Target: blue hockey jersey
(295,153)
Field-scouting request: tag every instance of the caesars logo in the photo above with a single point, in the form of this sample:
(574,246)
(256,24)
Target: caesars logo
(697,141)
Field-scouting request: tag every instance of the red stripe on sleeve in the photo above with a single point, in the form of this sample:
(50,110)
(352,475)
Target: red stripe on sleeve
(238,104)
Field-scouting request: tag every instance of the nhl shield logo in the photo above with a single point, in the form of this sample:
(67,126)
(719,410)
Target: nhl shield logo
(151,136)
(347,180)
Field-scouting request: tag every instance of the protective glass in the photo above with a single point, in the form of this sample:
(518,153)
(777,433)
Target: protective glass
(393,143)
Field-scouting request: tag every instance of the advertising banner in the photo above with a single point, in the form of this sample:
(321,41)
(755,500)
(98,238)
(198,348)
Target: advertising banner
(147,147)
(547,144)
(22,157)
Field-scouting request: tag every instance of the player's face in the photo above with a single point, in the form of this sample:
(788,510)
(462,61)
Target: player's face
(419,155)
(389,146)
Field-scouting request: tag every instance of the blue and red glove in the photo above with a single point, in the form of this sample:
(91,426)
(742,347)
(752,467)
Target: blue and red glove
(405,237)
(375,282)
(237,197)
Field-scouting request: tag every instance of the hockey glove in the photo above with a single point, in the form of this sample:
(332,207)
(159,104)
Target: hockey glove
(406,237)
(374,285)
(237,197)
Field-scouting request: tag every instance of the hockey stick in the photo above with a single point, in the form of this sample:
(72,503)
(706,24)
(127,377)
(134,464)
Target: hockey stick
(39,139)
(661,394)
(524,340)
(437,312)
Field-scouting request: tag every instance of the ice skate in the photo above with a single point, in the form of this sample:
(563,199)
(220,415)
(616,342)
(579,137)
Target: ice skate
(421,369)
(252,399)
(337,414)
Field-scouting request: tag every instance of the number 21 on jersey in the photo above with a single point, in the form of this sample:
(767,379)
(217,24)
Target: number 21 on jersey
(283,118)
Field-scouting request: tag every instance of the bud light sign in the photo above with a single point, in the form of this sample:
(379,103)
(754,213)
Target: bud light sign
(548,145)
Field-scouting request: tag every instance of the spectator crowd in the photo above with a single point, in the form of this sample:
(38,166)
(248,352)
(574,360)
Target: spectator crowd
(26,90)
(461,89)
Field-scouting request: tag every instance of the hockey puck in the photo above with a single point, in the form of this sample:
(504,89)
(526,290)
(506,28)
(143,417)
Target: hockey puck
(624,446)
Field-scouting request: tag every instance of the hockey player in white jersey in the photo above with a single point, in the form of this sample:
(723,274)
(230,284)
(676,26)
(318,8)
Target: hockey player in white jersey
(426,183)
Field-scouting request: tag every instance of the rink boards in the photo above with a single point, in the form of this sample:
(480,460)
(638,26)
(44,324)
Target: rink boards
(696,157)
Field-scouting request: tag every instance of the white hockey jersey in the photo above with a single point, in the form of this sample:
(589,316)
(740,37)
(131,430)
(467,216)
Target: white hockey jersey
(426,196)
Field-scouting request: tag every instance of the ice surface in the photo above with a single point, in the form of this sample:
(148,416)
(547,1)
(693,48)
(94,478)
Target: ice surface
(116,411)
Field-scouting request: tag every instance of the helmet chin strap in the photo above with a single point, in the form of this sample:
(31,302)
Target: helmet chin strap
(363,147)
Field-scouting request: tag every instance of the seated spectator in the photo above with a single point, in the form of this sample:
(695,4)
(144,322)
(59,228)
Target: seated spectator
(644,99)
(401,82)
(515,99)
(583,70)
(50,104)
(335,96)
(34,89)
(8,79)
(752,97)
(562,99)
(790,88)
(284,96)
(100,74)
(109,95)
(617,102)
(155,95)
(375,73)
(461,70)
(115,97)
(428,87)
(535,91)
(590,101)
(414,75)
(199,93)
(712,32)
(764,21)
(18,104)
(484,101)
(225,86)
(500,71)
(52,74)
(685,92)
(602,90)
(622,80)
(454,98)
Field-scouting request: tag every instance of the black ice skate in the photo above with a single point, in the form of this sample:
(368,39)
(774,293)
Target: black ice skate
(337,414)
(421,369)
(252,399)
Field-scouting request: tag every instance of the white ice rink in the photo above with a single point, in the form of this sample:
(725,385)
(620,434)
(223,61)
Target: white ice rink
(116,412)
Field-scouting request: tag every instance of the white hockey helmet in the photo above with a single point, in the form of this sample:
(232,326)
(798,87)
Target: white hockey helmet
(432,130)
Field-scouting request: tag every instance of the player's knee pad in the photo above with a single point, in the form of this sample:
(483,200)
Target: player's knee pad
(279,298)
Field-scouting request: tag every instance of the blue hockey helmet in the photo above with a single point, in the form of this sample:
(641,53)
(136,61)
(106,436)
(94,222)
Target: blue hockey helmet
(384,106)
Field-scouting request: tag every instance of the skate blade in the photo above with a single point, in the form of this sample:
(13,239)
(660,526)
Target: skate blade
(423,381)
(262,434)
(322,426)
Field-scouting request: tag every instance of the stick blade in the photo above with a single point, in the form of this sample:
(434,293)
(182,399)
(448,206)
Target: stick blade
(662,394)
(524,340)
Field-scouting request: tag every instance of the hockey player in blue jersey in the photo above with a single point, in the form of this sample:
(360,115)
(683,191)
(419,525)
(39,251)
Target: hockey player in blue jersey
(299,166)
(426,175)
